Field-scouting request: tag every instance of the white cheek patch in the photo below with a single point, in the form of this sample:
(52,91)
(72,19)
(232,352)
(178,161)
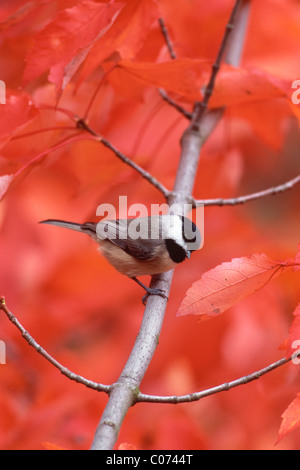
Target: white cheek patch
(174,227)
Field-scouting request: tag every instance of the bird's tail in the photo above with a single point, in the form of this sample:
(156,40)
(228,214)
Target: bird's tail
(88,227)
(64,224)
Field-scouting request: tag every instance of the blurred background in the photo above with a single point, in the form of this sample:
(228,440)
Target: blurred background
(78,307)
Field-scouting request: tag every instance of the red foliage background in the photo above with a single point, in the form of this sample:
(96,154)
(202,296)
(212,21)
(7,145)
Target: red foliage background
(70,300)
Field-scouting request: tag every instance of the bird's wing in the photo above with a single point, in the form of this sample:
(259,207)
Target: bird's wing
(120,233)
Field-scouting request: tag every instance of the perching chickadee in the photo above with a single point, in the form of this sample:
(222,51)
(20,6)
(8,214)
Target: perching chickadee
(144,245)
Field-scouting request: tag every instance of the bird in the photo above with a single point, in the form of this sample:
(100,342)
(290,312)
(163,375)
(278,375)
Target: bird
(141,245)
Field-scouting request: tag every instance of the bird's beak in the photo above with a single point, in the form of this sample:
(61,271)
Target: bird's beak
(188,254)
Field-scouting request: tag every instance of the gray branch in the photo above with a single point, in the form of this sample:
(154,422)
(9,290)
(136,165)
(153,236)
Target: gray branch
(224,387)
(126,389)
(64,370)
(234,201)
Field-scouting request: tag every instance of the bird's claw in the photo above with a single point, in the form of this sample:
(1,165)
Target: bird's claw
(150,291)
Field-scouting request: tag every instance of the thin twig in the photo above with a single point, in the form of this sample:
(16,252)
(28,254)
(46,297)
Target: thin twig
(81,124)
(249,197)
(180,109)
(201,106)
(167,38)
(172,53)
(175,399)
(32,342)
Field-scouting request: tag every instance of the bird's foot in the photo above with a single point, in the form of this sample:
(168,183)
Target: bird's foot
(150,291)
